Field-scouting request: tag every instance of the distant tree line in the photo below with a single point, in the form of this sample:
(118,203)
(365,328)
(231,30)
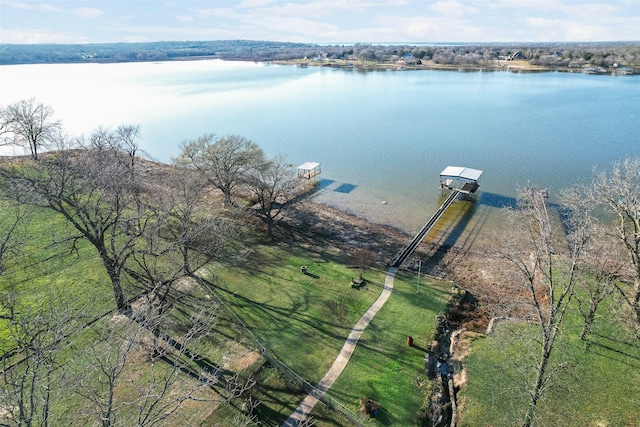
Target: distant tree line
(551,55)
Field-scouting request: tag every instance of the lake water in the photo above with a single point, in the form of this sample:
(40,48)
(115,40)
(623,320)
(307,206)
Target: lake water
(382,137)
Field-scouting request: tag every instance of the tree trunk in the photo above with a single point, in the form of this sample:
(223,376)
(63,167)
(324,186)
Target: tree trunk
(121,302)
(227,191)
(588,319)
(535,397)
(269,227)
(636,299)
(107,416)
(227,197)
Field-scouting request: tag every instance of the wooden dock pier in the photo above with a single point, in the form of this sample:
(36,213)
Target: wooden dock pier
(456,179)
(411,246)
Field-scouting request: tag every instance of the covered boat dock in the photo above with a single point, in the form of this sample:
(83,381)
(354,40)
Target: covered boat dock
(458,180)
(465,180)
(308,170)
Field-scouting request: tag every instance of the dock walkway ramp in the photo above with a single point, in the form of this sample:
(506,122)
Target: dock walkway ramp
(406,251)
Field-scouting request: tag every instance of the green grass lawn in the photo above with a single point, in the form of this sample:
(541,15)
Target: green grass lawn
(52,274)
(305,319)
(49,272)
(302,319)
(599,387)
(384,368)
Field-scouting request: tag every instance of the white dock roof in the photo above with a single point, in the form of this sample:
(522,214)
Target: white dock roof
(462,173)
(309,165)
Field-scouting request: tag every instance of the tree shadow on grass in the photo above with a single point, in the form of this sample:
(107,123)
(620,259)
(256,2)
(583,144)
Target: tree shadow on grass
(291,313)
(627,355)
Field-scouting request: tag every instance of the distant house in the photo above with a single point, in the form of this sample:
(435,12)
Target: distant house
(408,58)
(513,56)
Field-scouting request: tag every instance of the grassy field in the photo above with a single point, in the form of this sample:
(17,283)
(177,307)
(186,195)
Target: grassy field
(55,275)
(599,386)
(52,275)
(384,368)
(304,320)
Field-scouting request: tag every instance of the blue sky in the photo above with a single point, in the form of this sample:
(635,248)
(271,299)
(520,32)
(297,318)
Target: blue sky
(319,21)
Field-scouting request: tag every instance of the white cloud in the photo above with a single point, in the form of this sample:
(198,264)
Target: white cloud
(253,4)
(317,8)
(49,8)
(338,20)
(45,7)
(431,29)
(453,8)
(218,13)
(547,29)
(294,25)
(18,5)
(135,39)
(88,12)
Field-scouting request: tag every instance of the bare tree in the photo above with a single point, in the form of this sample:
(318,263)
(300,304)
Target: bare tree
(601,268)
(362,259)
(95,190)
(123,139)
(128,135)
(619,192)
(36,333)
(602,261)
(30,124)
(11,236)
(222,161)
(182,235)
(167,372)
(274,186)
(548,277)
(5,123)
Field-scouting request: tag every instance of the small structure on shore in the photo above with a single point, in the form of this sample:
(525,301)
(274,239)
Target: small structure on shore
(308,170)
(465,180)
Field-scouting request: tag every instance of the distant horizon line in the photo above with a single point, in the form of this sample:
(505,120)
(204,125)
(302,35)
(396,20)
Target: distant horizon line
(441,43)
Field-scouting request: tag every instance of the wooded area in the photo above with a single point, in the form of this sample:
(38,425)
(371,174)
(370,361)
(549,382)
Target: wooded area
(552,56)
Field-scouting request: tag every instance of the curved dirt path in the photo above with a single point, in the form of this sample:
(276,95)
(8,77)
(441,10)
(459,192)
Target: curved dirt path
(307,404)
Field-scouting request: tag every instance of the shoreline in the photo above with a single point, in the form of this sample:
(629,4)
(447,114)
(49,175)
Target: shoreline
(513,66)
(468,267)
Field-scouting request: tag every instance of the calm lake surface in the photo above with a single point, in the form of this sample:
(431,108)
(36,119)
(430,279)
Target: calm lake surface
(382,137)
